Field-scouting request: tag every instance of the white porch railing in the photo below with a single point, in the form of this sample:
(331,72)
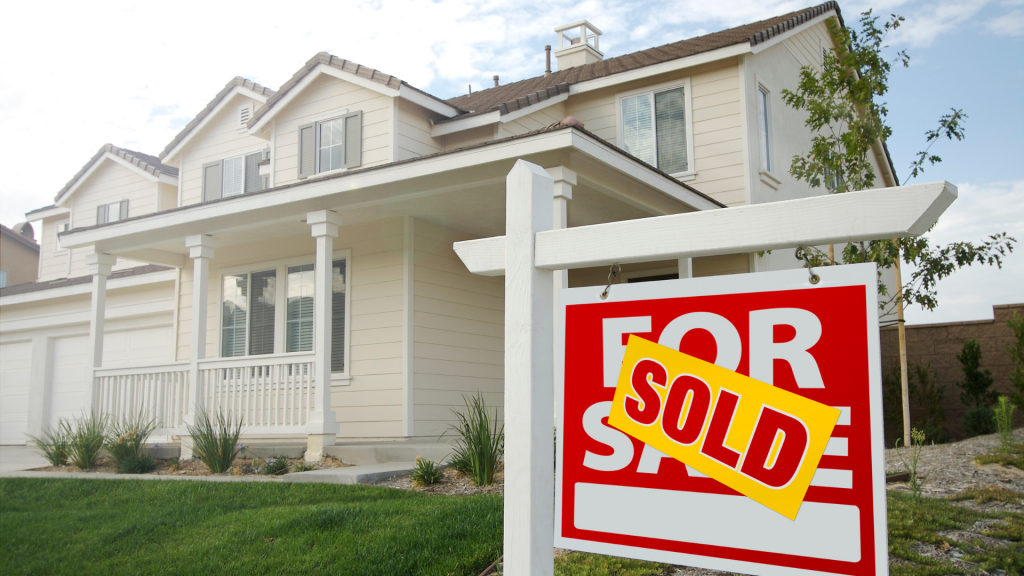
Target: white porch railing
(159,392)
(269,393)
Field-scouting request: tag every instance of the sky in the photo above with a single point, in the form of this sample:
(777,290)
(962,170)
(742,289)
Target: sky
(134,74)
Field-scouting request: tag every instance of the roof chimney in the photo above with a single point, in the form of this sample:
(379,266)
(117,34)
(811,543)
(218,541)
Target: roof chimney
(547,60)
(578,44)
(495,80)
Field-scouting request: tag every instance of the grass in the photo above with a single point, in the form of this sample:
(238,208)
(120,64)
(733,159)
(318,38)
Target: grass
(111,527)
(1012,456)
(582,564)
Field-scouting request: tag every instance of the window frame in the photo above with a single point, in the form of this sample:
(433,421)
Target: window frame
(690,173)
(280,307)
(56,235)
(264,149)
(106,211)
(765,131)
(332,115)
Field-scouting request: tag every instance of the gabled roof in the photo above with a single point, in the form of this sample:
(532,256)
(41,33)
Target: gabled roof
(501,97)
(384,79)
(149,164)
(238,82)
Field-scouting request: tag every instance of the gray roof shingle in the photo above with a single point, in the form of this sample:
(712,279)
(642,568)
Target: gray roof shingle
(145,162)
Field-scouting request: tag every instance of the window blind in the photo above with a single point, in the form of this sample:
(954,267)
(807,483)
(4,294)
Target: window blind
(233,176)
(299,317)
(638,127)
(235,306)
(253,180)
(670,111)
(338,316)
(261,316)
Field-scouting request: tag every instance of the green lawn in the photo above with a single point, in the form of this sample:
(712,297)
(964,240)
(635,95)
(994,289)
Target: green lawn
(69,526)
(152,527)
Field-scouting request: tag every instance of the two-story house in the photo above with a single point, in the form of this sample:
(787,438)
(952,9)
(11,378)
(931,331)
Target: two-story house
(215,274)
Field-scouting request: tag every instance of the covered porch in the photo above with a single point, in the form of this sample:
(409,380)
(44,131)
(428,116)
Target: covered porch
(351,280)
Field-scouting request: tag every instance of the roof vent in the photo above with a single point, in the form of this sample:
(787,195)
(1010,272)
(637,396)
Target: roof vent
(578,44)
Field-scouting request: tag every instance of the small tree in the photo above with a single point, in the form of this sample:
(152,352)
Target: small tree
(1016,350)
(974,391)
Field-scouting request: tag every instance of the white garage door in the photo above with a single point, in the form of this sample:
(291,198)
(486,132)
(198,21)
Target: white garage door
(69,391)
(140,347)
(15,366)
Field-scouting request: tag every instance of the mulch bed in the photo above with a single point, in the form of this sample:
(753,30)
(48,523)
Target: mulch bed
(242,467)
(453,484)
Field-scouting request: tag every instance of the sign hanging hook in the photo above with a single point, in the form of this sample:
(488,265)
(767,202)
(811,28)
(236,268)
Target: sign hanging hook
(802,254)
(613,272)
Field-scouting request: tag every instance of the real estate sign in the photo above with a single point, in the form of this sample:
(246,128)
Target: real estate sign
(816,344)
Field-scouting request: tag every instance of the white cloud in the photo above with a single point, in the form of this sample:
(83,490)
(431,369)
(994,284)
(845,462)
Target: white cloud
(979,211)
(1009,24)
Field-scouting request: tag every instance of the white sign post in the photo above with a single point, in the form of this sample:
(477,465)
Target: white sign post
(531,250)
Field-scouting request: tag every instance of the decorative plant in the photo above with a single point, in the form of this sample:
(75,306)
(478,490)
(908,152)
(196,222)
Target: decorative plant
(271,466)
(426,472)
(910,461)
(215,443)
(974,391)
(126,444)
(480,443)
(1016,350)
(86,440)
(55,445)
(1004,424)
(304,467)
(173,464)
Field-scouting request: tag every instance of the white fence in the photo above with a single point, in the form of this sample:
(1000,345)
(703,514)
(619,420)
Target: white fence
(157,392)
(270,393)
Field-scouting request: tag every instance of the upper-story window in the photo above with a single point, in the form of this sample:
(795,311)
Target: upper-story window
(331,144)
(655,126)
(233,176)
(3,278)
(764,127)
(269,309)
(113,212)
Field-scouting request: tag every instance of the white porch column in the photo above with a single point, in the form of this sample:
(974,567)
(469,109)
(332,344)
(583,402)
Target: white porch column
(685,268)
(200,249)
(529,366)
(99,266)
(564,179)
(322,427)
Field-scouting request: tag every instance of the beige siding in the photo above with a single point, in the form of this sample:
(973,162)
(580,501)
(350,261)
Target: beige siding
(323,98)
(468,137)
(413,136)
(53,263)
(535,121)
(370,405)
(458,331)
(717,124)
(218,140)
(112,182)
(168,196)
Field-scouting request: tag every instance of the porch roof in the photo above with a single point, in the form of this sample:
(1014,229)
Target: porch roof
(613,185)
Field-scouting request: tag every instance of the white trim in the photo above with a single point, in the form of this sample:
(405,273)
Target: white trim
(236,90)
(791,32)
(684,83)
(745,66)
(196,218)
(280,266)
(454,126)
(56,237)
(95,166)
(46,213)
(421,99)
(765,133)
(78,289)
(408,315)
(393,141)
(657,69)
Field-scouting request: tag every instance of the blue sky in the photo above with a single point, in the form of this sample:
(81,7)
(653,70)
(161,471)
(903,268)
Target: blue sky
(133,75)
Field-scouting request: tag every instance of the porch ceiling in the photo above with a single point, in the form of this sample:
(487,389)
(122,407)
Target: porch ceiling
(462,190)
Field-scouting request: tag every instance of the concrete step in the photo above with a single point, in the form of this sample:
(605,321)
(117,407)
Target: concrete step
(365,474)
(363,453)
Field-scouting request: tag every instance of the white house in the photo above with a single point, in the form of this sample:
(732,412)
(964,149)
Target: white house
(198,277)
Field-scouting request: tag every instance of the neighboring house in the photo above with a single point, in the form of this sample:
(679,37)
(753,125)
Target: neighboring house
(200,265)
(19,255)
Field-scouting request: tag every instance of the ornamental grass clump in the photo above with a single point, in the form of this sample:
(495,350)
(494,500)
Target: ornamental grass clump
(426,472)
(86,440)
(126,444)
(480,443)
(1004,424)
(215,443)
(271,466)
(55,445)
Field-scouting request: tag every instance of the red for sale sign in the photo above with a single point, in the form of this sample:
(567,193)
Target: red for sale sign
(616,495)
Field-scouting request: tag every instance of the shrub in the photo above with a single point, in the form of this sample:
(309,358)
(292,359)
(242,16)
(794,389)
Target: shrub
(126,444)
(976,383)
(86,440)
(304,467)
(426,472)
(1004,424)
(1016,350)
(215,443)
(978,421)
(271,466)
(480,442)
(55,445)
(173,464)
(926,411)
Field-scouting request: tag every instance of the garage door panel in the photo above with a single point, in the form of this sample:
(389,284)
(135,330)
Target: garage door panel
(15,372)
(69,393)
(137,347)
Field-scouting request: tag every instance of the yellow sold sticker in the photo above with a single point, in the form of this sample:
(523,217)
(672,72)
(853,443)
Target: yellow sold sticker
(762,441)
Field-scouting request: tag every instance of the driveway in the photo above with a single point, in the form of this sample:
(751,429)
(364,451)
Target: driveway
(14,458)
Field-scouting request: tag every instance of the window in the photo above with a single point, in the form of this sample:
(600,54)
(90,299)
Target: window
(655,128)
(330,144)
(250,318)
(233,176)
(3,278)
(113,212)
(764,126)
(61,227)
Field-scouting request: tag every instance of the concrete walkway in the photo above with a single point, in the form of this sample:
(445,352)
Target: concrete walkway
(18,462)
